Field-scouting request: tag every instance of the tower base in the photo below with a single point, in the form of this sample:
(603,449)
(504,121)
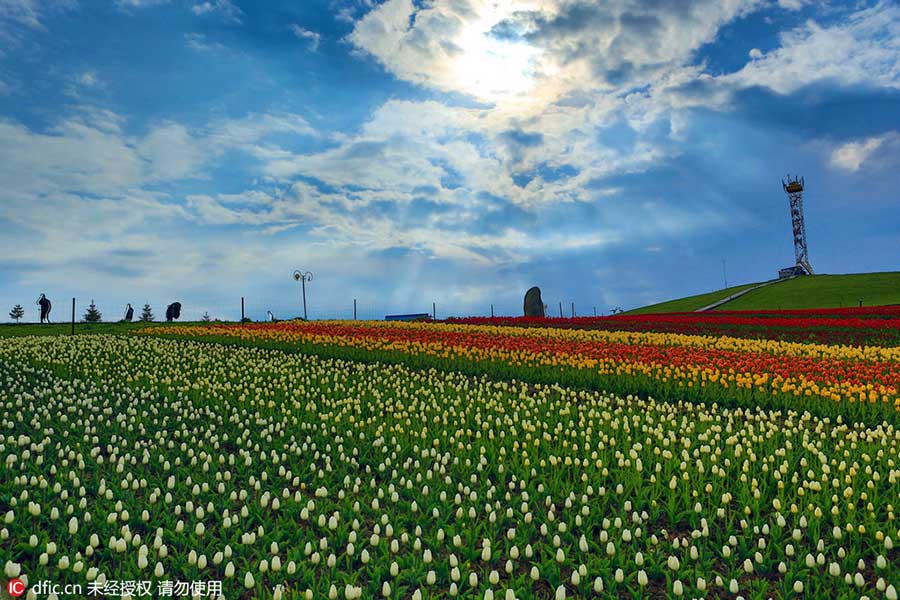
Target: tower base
(794,271)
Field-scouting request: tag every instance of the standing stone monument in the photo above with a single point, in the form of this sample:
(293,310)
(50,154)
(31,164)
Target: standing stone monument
(534,306)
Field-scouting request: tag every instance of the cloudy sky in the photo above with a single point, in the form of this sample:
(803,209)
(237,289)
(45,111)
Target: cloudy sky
(455,151)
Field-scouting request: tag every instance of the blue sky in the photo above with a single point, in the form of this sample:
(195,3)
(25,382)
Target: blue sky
(409,152)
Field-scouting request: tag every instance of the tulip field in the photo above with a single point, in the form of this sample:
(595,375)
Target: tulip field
(436,460)
(879,325)
(855,382)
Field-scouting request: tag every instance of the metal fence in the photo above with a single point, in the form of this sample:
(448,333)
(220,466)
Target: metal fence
(260,309)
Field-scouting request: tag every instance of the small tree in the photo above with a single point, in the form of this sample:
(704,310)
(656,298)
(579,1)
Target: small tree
(146,313)
(206,318)
(93,314)
(17,312)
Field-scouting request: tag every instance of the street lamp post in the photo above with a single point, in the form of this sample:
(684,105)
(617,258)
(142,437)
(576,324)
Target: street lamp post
(303,277)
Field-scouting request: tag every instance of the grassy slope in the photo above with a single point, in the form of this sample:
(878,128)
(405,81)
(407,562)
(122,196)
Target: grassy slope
(819,291)
(690,303)
(823,291)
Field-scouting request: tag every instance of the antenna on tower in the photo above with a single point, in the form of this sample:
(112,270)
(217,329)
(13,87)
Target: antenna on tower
(793,187)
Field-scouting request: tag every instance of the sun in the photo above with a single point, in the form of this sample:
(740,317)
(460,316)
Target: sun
(492,69)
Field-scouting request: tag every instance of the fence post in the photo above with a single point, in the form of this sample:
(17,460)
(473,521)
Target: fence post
(354,309)
(73,317)
(242,310)
(560,310)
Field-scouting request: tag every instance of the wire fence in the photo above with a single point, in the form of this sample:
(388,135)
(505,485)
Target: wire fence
(261,310)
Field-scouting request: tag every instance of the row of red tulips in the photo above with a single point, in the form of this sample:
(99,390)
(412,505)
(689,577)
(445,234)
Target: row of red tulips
(865,326)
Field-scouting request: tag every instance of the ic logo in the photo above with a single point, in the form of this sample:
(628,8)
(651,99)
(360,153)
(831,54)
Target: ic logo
(15,587)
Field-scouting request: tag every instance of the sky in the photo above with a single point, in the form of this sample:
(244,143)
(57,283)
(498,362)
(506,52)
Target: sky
(456,152)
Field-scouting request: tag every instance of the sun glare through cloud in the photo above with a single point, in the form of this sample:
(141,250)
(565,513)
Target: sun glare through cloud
(476,299)
(493,69)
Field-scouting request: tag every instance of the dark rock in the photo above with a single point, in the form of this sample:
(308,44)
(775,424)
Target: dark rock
(534,306)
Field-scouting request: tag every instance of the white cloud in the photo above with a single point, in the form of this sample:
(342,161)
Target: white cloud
(173,152)
(89,79)
(553,74)
(852,155)
(524,58)
(346,11)
(431,46)
(84,82)
(408,145)
(100,118)
(224,8)
(549,97)
(140,3)
(311,37)
(535,51)
(338,220)
(89,153)
(200,43)
(253,127)
(862,49)
(25,12)
(80,203)
(21,18)
(73,156)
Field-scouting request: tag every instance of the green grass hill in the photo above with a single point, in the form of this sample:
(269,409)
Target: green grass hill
(691,303)
(817,291)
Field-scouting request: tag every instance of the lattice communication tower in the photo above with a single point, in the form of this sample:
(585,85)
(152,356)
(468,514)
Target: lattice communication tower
(793,187)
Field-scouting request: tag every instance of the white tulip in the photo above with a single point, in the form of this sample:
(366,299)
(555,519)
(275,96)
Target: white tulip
(11,569)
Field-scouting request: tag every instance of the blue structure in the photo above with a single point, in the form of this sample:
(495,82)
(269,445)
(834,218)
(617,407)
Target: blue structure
(409,317)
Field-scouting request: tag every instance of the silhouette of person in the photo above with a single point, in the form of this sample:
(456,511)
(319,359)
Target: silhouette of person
(129,313)
(44,303)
